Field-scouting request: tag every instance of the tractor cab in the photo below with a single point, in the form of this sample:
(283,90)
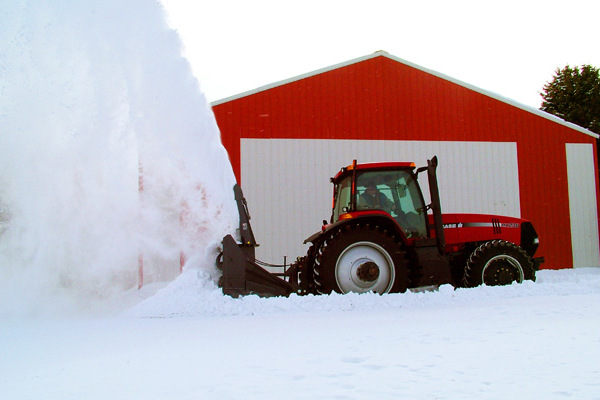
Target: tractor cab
(391,188)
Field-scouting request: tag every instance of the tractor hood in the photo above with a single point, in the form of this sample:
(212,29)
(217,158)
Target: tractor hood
(469,228)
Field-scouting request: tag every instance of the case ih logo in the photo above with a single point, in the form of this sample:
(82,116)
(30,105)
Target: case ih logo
(450,226)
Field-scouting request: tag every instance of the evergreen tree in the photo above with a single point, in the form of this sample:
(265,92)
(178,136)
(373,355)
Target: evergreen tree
(574,95)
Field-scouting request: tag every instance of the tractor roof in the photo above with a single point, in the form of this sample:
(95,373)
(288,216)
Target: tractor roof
(374,166)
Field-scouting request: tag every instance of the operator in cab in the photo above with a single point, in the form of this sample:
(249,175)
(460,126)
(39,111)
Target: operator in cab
(373,199)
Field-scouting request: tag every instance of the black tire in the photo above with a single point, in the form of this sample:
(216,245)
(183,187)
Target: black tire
(360,259)
(497,263)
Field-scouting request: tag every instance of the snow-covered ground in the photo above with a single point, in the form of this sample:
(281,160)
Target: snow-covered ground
(531,341)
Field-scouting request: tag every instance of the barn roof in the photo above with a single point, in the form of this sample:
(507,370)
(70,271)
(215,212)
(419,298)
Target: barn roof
(418,67)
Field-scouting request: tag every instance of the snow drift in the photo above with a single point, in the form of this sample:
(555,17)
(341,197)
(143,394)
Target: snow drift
(527,341)
(195,294)
(91,94)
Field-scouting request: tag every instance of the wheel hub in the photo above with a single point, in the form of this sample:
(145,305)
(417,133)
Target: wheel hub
(502,275)
(502,270)
(368,271)
(364,267)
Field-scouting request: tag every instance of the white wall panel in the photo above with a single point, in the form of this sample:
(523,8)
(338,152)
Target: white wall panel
(583,205)
(286,182)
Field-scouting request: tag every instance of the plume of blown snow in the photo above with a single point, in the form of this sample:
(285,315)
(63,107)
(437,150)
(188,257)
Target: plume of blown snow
(109,153)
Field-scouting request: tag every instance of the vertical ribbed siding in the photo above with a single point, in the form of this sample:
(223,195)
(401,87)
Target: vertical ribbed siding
(382,99)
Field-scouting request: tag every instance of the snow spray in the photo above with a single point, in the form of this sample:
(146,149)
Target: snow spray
(109,153)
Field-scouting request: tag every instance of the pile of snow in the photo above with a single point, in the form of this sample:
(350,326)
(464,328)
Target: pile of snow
(93,95)
(194,294)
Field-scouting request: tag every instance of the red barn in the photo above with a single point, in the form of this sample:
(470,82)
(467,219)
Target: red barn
(496,156)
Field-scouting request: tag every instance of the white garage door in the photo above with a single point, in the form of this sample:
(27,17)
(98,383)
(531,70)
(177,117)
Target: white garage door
(583,204)
(286,182)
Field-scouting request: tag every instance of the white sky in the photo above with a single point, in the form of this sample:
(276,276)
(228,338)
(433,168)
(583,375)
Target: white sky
(509,47)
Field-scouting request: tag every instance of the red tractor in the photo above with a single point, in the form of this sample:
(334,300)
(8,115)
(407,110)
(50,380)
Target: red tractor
(382,238)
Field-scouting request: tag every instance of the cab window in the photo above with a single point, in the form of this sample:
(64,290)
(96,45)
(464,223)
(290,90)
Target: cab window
(342,199)
(396,193)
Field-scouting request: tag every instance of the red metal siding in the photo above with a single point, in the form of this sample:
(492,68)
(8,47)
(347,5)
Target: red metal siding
(382,99)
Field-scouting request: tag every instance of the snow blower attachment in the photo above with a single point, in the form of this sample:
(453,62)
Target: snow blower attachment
(383,238)
(241,273)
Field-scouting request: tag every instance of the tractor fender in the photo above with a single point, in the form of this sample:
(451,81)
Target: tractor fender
(377,218)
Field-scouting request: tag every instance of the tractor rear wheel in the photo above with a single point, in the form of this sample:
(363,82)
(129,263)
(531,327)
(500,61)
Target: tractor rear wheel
(498,262)
(361,259)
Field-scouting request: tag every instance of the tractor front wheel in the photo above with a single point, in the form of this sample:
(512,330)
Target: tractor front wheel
(497,263)
(361,259)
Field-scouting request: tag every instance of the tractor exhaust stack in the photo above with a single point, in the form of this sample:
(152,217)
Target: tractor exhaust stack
(436,207)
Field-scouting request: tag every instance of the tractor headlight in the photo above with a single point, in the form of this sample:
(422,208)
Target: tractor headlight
(529,238)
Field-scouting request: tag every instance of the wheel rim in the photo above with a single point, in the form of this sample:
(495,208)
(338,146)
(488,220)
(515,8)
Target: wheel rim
(502,270)
(365,267)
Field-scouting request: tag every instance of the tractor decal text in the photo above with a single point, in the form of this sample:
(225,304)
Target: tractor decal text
(496,225)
